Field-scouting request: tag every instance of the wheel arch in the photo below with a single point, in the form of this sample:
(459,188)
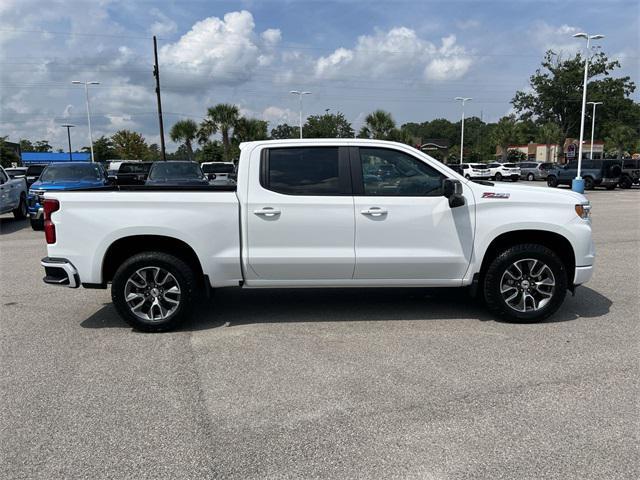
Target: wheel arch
(552,240)
(126,247)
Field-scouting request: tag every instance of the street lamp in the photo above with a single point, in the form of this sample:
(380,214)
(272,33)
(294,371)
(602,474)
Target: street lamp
(577,185)
(86,92)
(300,94)
(593,125)
(68,126)
(463,100)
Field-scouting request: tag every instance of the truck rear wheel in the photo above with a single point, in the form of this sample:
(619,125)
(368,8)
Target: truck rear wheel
(154,291)
(525,283)
(20,213)
(552,181)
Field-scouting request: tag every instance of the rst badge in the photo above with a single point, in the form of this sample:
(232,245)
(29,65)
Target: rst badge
(495,195)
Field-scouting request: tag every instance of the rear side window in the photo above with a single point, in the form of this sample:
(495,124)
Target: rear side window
(302,171)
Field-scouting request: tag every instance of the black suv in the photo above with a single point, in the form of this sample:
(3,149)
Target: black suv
(630,173)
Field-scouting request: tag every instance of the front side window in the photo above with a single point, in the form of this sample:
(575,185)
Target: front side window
(388,172)
(303,171)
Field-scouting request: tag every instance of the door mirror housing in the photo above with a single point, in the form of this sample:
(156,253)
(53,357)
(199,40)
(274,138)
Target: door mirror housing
(452,189)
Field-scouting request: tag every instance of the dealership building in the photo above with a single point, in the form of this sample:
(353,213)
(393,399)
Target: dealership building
(538,151)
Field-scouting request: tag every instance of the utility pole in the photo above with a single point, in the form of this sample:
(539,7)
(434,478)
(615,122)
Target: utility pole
(463,100)
(593,125)
(86,93)
(68,127)
(156,73)
(300,93)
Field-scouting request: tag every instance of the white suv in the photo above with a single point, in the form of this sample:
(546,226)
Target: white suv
(502,171)
(473,171)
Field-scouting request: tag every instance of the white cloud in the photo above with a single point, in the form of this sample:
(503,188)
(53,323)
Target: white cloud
(163,25)
(215,51)
(400,50)
(271,37)
(556,38)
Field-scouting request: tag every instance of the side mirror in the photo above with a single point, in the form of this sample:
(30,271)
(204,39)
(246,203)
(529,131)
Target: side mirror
(211,176)
(452,189)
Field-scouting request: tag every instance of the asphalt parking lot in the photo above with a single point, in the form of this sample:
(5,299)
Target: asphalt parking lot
(399,383)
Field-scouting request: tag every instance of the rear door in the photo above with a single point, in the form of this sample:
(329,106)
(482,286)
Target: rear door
(300,223)
(405,230)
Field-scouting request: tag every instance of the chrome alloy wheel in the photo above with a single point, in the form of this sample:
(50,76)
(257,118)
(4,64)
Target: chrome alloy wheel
(152,294)
(527,285)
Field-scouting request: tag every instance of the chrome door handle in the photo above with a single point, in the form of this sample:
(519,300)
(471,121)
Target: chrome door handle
(267,212)
(374,211)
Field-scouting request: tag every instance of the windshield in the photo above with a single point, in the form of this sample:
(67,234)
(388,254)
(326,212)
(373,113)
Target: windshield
(218,168)
(35,170)
(175,171)
(69,172)
(134,168)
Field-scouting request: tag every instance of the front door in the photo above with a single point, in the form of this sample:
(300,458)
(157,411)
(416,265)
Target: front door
(300,222)
(405,229)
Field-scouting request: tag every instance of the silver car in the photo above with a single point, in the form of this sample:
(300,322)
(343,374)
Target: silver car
(534,170)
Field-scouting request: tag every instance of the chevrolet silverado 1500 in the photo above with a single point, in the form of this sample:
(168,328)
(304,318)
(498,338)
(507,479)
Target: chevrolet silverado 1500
(316,213)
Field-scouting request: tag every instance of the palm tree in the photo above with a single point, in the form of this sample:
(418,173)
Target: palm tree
(186,132)
(505,133)
(378,124)
(549,134)
(220,118)
(620,136)
(249,129)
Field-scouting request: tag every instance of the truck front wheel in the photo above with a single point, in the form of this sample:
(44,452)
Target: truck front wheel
(154,291)
(525,283)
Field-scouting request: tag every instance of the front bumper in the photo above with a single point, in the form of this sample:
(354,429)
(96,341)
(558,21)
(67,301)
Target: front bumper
(583,275)
(36,214)
(60,271)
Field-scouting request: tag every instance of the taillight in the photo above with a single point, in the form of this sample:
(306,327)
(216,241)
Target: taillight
(50,205)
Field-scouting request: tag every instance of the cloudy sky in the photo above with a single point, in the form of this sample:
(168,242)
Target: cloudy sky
(410,58)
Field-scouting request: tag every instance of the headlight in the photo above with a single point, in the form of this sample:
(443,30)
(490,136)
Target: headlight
(583,210)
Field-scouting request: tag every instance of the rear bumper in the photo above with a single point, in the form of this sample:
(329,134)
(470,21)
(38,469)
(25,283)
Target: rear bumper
(582,275)
(60,271)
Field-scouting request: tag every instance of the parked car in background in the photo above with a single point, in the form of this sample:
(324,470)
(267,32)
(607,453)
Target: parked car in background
(33,172)
(13,195)
(59,177)
(306,214)
(132,173)
(534,170)
(221,170)
(176,173)
(473,171)
(16,172)
(596,173)
(630,174)
(501,171)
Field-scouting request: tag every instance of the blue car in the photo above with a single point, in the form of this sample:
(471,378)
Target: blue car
(62,176)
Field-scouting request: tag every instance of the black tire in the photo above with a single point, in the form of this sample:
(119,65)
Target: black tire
(588,183)
(20,213)
(531,177)
(37,224)
(492,282)
(182,273)
(625,182)
(610,187)
(552,181)
(498,177)
(514,179)
(467,176)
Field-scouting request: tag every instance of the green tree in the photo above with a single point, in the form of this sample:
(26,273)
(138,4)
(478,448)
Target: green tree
(249,129)
(8,156)
(26,145)
(153,153)
(556,92)
(549,134)
(210,152)
(505,133)
(130,145)
(283,131)
(329,125)
(42,146)
(220,118)
(515,155)
(620,137)
(185,131)
(103,149)
(378,124)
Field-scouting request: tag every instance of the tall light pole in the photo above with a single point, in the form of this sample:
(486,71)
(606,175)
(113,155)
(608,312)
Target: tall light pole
(463,100)
(300,94)
(68,126)
(593,125)
(577,185)
(86,92)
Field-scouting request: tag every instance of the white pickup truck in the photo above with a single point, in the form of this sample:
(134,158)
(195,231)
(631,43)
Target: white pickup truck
(321,213)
